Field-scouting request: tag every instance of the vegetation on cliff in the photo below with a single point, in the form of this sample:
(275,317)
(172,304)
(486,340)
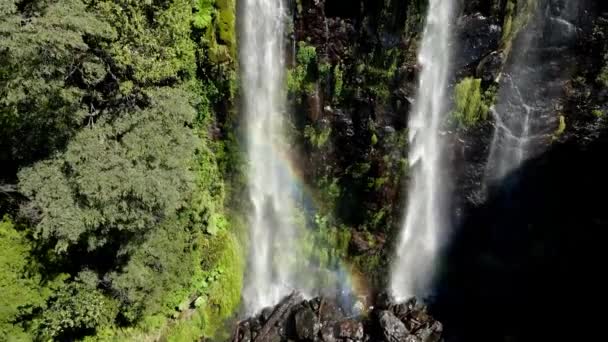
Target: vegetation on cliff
(112,181)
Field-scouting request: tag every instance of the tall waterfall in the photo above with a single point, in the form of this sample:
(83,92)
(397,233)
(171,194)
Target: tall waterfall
(533,80)
(270,183)
(424,219)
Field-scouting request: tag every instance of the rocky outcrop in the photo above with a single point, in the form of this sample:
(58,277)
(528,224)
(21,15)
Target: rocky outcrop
(324,320)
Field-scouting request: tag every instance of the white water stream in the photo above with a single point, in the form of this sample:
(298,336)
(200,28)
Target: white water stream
(425,222)
(270,183)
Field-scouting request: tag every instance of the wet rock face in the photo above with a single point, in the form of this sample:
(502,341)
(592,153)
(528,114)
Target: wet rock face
(394,330)
(322,320)
(478,35)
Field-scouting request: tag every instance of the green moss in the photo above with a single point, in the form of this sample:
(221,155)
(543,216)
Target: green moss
(374,139)
(307,54)
(223,264)
(226,24)
(518,14)
(317,138)
(359,170)
(471,106)
(561,128)
(338,82)
(598,113)
(203,13)
(304,75)
(324,70)
(507,26)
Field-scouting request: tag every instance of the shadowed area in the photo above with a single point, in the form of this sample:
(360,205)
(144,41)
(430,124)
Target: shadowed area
(526,265)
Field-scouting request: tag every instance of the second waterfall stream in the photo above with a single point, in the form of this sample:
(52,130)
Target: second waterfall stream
(425,223)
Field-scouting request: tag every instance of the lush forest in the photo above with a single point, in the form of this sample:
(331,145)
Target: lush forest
(116,168)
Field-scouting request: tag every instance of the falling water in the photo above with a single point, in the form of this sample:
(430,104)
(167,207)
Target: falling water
(525,113)
(424,220)
(270,183)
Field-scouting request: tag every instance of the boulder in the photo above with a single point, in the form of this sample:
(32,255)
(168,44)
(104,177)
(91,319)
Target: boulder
(393,329)
(323,320)
(306,323)
(329,311)
(351,330)
(266,313)
(328,334)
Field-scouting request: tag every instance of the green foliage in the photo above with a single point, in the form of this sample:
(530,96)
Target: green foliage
(318,139)
(207,202)
(326,244)
(19,283)
(307,54)
(305,73)
(108,103)
(374,140)
(226,24)
(324,70)
(598,113)
(40,104)
(74,310)
(330,192)
(471,105)
(338,82)
(561,128)
(125,175)
(360,169)
(158,274)
(203,14)
(507,27)
(223,262)
(152,51)
(518,14)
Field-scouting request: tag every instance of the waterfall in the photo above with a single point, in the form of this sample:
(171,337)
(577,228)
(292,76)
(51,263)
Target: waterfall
(424,221)
(525,112)
(270,183)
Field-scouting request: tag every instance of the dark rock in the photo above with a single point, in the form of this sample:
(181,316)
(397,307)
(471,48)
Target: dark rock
(393,329)
(431,333)
(490,67)
(315,303)
(322,320)
(384,301)
(266,313)
(244,332)
(402,310)
(328,334)
(560,32)
(307,326)
(256,325)
(478,36)
(350,329)
(329,311)
(273,335)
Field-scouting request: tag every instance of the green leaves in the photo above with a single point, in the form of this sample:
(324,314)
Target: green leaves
(39,109)
(123,175)
(153,39)
(105,115)
(20,290)
(472,105)
(75,310)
